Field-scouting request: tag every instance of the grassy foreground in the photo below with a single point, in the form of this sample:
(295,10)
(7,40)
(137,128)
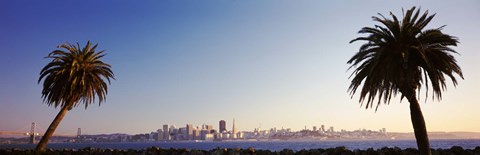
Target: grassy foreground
(250,151)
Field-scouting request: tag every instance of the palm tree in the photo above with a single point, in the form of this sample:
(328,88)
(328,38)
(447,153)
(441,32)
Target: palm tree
(71,78)
(401,57)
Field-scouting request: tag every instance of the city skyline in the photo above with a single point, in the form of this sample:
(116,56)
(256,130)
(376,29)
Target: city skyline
(265,63)
(321,127)
(205,132)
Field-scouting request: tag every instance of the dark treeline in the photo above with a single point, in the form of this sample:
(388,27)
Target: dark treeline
(250,151)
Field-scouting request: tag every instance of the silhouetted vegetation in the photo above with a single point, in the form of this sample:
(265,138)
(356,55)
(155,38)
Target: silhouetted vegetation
(399,58)
(73,77)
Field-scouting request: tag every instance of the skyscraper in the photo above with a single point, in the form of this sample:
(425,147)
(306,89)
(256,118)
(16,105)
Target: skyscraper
(222,126)
(189,133)
(166,132)
(234,129)
(195,135)
(79,132)
(208,128)
(159,134)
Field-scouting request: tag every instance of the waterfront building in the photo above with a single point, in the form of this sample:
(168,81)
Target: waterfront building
(209,136)
(166,132)
(195,135)
(209,127)
(203,134)
(182,134)
(273,130)
(250,134)
(233,133)
(188,134)
(383,131)
(331,129)
(224,135)
(159,135)
(239,135)
(218,135)
(213,131)
(222,126)
(262,134)
(152,136)
(173,133)
(234,129)
(79,134)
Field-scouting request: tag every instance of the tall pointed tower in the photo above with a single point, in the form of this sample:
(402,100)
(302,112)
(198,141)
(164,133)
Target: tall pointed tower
(234,129)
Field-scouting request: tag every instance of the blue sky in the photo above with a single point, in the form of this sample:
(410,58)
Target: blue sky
(264,63)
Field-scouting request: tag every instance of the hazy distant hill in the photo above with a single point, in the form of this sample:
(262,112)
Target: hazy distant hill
(467,135)
(438,135)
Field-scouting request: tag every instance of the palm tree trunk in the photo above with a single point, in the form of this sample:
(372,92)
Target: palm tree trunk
(51,129)
(419,126)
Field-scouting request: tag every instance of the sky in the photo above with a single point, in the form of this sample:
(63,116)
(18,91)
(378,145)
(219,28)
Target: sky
(263,63)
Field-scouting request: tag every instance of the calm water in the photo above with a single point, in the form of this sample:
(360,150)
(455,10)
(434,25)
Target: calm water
(266,145)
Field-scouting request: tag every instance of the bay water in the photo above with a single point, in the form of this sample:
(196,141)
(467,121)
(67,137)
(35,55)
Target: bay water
(263,145)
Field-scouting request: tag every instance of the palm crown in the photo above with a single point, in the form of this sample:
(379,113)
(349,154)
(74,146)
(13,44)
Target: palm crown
(401,56)
(74,76)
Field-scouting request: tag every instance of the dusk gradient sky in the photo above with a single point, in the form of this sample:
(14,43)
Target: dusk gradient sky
(265,63)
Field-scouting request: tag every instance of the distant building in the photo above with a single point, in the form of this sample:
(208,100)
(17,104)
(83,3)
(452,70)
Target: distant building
(209,137)
(331,129)
(152,136)
(209,127)
(160,134)
(383,131)
(166,132)
(213,131)
(195,135)
(273,130)
(239,135)
(79,133)
(188,135)
(234,129)
(224,135)
(203,134)
(182,134)
(173,133)
(222,126)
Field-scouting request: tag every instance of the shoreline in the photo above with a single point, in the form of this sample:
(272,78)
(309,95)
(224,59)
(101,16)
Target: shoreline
(261,145)
(240,151)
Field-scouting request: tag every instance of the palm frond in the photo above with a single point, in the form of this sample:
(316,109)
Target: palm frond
(401,57)
(75,76)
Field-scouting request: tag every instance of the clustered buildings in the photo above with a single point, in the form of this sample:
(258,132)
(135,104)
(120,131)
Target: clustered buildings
(208,133)
(190,132)
(205,132)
